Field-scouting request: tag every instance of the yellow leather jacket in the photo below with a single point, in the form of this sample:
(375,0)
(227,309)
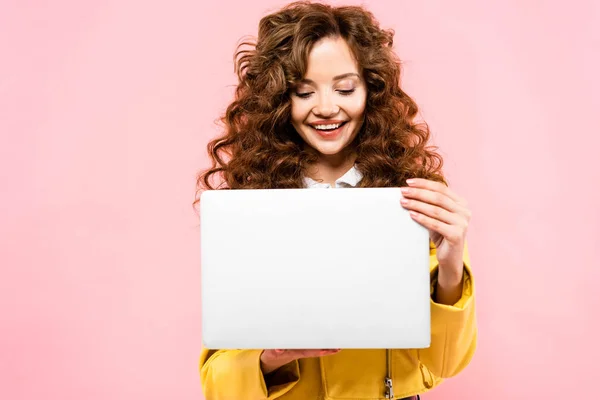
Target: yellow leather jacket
(354,374)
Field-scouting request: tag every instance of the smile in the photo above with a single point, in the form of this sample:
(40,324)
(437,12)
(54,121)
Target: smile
(329,131)
(328,127)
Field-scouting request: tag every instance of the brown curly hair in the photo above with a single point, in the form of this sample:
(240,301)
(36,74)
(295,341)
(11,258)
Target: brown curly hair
(260,149)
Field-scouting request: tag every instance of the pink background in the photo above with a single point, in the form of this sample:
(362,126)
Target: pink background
(105,110)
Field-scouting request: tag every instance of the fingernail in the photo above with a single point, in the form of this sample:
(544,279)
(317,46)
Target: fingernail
(404,190)
(410,181)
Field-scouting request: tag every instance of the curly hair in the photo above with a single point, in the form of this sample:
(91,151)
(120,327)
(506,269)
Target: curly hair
(260,149)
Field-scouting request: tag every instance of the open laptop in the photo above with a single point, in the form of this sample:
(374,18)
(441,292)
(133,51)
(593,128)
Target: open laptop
(313,268)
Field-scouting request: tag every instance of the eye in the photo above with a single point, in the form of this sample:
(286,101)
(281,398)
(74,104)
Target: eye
(346,92)
(303,95)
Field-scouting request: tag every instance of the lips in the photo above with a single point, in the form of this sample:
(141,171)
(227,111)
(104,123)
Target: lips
(339,124)
(322,122)
(331,133)
(326,122)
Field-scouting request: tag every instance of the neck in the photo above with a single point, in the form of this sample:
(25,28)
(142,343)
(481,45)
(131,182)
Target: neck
(330,168)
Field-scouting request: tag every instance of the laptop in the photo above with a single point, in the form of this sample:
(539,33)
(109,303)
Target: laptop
(313,269)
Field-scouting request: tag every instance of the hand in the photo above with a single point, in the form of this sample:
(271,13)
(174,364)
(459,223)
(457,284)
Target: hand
(270,360)
(446,216)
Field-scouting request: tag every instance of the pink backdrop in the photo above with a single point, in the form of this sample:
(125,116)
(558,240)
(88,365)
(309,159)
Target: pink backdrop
(105,110)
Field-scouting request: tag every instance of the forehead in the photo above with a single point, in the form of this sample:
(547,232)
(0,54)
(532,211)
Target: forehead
(330,57)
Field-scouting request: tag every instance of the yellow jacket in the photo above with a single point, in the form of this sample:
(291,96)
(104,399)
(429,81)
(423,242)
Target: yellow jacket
(354,374)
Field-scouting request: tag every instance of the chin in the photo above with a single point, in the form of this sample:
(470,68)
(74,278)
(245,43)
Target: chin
(328,149)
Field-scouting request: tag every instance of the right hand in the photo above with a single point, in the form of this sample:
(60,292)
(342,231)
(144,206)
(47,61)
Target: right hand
(270,360)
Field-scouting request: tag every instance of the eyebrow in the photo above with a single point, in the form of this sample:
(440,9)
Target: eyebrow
(335,78)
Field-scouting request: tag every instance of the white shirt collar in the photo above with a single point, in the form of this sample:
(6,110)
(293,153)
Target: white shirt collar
(350,179)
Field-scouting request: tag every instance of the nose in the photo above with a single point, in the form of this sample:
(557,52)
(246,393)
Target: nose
(325,106)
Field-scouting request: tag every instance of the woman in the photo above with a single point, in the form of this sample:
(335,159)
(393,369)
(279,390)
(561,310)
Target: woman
(319,105)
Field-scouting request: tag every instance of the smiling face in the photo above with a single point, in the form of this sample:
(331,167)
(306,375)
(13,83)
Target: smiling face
(328,105)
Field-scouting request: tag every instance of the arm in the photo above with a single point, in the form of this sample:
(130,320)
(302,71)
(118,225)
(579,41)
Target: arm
(236,374)
(453,327)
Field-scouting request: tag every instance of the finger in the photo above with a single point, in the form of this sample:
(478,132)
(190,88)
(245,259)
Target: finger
(431,197)
(435,187)
(453,234)
(301,353)
(431,211)
(316,352)
(328,352)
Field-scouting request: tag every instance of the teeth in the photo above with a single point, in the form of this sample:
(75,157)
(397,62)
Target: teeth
(332,126)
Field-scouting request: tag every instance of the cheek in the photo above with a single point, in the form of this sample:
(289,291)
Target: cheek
(356,107)
(299,112)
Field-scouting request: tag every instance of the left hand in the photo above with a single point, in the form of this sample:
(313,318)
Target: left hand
(446,216)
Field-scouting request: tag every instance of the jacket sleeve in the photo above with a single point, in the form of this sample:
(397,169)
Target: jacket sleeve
(453,328)
(236,375)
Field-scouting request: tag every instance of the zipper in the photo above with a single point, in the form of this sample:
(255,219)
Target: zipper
(389,388)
